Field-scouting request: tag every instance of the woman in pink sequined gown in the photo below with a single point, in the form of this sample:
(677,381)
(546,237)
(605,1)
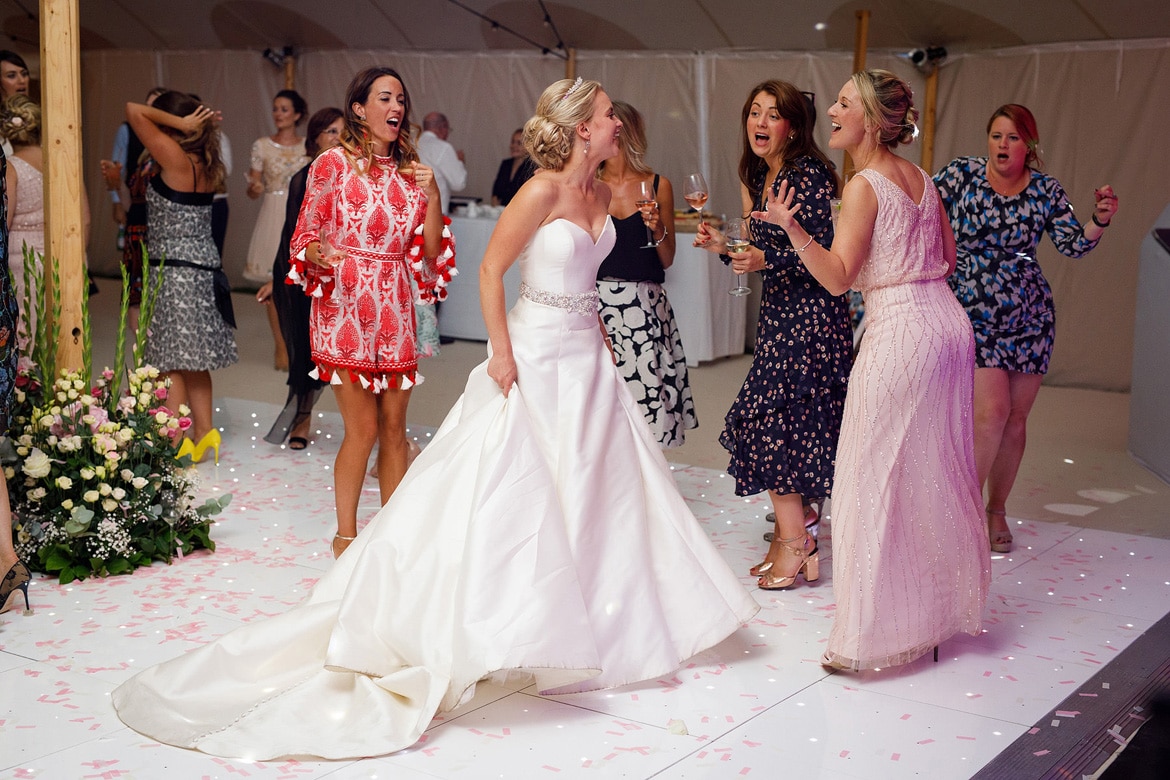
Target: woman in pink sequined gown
(365,202)
(910,559)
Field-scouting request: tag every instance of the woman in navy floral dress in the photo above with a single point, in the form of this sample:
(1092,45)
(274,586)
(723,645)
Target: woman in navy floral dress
(782,428)
(999,208)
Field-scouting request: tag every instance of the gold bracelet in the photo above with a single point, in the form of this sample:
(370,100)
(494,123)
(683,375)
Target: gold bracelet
(806,246)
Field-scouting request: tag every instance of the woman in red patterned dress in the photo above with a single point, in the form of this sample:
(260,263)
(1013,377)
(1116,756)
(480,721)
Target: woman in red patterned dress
(365,209)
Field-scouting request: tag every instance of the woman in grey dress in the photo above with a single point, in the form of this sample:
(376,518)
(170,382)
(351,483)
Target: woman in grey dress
(191,333)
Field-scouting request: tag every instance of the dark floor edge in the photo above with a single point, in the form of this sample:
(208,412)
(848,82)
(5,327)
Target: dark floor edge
(1108,709)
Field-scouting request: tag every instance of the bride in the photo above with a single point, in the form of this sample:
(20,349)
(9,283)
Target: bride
(540,531)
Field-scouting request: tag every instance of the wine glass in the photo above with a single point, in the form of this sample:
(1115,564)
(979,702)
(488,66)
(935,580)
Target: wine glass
(738,235)
(329,253)
(695,193)
(644,202)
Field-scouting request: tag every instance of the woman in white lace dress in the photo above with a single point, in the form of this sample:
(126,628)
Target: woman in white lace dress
(275,158)
(910,558)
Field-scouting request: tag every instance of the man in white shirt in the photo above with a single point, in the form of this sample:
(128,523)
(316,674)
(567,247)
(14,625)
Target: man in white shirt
(445,159)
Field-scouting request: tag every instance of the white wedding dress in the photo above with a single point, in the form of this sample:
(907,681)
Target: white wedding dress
(542,533)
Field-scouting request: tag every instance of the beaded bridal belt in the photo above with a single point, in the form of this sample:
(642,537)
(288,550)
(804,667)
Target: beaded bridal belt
(578,303)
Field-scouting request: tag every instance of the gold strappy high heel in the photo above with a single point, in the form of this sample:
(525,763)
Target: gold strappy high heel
(810,564)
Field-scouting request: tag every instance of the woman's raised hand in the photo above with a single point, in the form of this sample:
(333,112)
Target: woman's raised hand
(710,238)
(1105,205)
(196,119)
(780,208)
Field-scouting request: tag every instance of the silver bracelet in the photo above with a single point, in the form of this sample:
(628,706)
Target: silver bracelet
(806,246)
(657,241)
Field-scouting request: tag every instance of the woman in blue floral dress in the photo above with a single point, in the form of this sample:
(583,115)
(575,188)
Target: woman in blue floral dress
(782,428)
(999,208)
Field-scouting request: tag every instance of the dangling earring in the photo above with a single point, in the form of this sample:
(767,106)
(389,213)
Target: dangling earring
(586,146)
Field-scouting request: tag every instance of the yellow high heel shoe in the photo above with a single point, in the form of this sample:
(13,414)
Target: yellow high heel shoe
(210,439)
(187,448)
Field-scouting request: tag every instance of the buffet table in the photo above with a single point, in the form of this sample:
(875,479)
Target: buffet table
(710,322)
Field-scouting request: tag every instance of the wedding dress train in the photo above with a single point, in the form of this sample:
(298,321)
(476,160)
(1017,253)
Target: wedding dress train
(541,533)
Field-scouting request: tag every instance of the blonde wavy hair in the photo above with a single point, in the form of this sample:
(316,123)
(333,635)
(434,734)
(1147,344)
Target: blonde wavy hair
(888,103)
(549,134)
(20,121)
(632,140)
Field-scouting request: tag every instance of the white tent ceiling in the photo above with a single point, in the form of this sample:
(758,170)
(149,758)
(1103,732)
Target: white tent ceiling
(662,25)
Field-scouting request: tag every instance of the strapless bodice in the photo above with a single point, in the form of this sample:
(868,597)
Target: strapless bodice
(563,258)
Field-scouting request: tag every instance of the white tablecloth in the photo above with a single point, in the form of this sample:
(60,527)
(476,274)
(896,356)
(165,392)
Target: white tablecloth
(710,321)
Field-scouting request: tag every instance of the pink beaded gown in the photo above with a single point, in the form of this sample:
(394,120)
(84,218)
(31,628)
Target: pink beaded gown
(910,556)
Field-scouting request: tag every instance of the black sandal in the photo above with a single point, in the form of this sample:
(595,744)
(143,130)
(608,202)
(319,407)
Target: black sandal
(297,442)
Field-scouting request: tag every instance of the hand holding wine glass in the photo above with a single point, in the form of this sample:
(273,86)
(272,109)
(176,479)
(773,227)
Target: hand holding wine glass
(645,203)
(738,234)
(329,255)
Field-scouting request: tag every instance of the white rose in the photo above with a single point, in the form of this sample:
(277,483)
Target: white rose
(109,505)
(127,475)
(67,504)
(62,397)
(118,493)
(25,440)
(87,400)
(90,496)
(78,384)
(9,472)
(100,471)
(37,494)
(144,399)
(47,421)
(37,465)
(87,474)
(64,483)
(105,489)
(71,395)
(139,482)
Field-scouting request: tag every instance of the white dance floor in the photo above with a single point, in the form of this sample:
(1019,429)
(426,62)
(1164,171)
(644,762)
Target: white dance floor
(758,705)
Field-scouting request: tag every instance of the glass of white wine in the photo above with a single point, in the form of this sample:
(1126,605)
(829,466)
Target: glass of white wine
(738,235)
(695,193)
(645,202)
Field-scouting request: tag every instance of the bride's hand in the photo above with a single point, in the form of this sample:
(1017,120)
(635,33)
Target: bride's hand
(502,370)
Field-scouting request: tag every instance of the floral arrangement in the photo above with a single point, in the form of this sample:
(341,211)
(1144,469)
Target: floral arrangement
(96,488)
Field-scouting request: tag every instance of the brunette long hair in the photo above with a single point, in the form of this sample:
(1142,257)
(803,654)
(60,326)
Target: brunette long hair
(355,138)
(797,107)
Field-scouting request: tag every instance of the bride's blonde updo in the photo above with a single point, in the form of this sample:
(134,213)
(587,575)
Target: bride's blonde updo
(888,103)
(549,134)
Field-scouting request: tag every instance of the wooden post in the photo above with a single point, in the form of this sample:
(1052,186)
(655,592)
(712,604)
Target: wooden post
(929,108)
(860,43)
(61,142)
(290,73)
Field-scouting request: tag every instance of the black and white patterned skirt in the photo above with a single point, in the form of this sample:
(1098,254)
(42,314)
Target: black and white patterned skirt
(649,352)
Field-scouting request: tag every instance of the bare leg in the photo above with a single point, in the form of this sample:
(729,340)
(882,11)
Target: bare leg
(392,448)
(1005,467)
(198,388)
(789,509)
(992,405)
(280,352)
(359,416)
(177,395)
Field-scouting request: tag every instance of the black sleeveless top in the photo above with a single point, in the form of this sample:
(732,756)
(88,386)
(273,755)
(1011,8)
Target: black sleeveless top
(628,261)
